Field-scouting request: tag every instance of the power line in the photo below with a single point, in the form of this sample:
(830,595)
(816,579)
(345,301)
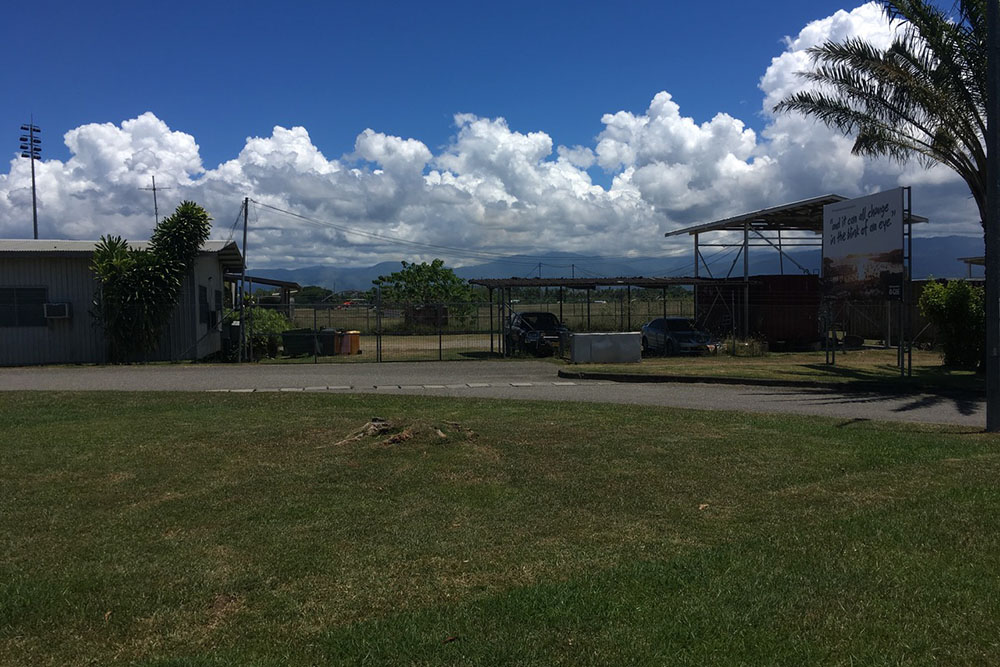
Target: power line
(236,221)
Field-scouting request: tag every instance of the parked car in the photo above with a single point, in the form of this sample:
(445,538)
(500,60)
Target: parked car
(534,332)
(673,335)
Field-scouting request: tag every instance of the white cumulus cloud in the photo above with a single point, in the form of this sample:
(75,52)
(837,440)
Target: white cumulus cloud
(492,188)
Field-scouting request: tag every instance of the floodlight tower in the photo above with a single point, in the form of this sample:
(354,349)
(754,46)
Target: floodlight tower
(31,148)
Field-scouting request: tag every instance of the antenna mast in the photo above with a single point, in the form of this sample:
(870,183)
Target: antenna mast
(156,209)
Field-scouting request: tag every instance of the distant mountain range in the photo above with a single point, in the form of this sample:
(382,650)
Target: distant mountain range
(937,256)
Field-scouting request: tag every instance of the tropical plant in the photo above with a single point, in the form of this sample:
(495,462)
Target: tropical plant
(957,310)
(139,289)
(265,326)
(923,97)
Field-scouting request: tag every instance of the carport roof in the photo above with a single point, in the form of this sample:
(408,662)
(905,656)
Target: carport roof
(593,283)
(258,280)
(805,215)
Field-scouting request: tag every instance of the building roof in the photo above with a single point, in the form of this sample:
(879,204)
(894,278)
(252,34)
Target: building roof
(805,215)
(228,252)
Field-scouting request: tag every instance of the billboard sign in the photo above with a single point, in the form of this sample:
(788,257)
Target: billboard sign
(863,246)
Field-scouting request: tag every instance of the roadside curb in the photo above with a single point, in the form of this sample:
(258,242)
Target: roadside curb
(852,387)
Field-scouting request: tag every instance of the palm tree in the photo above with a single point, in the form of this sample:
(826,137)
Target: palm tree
(924,97)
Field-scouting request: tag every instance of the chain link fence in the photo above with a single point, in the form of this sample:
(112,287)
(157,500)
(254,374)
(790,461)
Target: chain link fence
(380,331)
(362,331)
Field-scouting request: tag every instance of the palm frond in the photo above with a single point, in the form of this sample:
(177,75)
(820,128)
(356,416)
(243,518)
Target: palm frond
(923,97)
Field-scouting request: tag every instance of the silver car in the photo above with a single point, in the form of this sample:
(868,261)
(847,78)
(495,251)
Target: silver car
(674,335)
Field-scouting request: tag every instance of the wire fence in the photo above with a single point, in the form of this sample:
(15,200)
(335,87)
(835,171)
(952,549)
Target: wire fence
(374,332)
(360,331)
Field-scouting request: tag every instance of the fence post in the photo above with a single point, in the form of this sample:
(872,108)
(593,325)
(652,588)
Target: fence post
(439,309)
(628,299)
(315,338)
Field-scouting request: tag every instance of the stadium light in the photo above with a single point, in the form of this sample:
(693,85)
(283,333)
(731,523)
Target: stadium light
(31,148)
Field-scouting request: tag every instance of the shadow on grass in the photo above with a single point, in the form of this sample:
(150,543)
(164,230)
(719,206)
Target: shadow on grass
(945,379)
(854,422)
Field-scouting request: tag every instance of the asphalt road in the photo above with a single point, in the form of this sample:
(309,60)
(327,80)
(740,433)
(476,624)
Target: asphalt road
(492,379)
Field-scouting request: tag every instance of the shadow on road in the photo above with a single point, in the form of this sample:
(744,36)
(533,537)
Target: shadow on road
(966,404)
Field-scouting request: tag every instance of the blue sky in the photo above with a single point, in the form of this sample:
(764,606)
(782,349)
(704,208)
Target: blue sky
(219,73)
(225,70)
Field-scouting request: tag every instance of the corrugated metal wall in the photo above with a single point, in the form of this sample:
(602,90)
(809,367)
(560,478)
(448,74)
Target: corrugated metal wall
(73,340)
(782,308)
(786,309)
(77,339)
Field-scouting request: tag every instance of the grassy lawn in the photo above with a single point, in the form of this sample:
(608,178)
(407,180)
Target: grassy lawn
(854,366)
(211,529)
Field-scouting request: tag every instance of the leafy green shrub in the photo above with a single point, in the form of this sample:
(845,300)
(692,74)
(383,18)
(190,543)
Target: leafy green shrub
(264,325)
(956,308)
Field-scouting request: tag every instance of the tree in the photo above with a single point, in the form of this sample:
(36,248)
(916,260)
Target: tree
(312,294)
(139,289)
(423,284)
(924,97)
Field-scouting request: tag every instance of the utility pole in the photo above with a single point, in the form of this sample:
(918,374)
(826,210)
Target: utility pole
(243,278)
(156,209)
(992,221)
(31,148)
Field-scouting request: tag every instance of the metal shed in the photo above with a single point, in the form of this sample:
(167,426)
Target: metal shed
(47,291)
(793,225)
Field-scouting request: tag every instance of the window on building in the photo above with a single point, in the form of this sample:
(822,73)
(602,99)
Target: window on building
(23,306)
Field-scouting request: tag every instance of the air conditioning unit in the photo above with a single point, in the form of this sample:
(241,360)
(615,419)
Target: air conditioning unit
(57,311)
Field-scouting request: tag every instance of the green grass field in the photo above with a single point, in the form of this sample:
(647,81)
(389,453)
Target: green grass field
(855,366)
(210,529)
